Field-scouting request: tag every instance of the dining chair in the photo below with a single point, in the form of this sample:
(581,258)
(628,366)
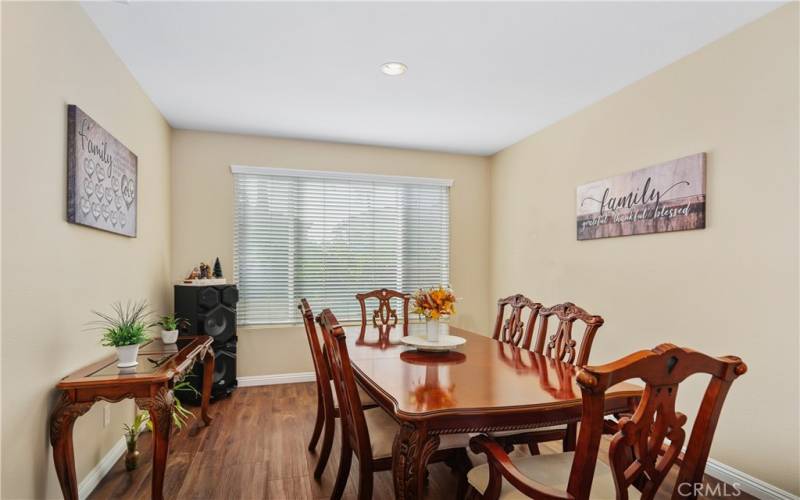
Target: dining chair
(513,329)
(559,346)
(327,402)
(369,433)
(641,453)
(384,315)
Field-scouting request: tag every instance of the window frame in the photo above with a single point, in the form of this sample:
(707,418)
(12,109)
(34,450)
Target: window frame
(337,175)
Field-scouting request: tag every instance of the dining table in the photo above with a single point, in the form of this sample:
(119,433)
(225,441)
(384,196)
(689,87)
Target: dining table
(482,386)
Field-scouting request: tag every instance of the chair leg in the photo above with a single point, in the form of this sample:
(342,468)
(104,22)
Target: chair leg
(570,437)
(364,480)
(533,446)
(472,494)
(318,424)
(327,444)
(464,466)
(344,471)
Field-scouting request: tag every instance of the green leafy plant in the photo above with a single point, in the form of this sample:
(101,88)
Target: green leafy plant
(132,430)
(127,325)
(171,322)
(180,415)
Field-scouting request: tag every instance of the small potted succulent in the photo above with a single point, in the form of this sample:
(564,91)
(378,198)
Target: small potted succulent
(125,329)
(169,328)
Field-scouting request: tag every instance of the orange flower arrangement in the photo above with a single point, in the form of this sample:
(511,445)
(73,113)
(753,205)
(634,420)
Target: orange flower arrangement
(435,302)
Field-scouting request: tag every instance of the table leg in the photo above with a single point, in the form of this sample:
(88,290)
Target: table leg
(413,447)
(61,421)
(160,409)
(208,381)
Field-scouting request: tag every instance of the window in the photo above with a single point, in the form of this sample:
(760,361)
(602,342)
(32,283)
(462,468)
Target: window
(326,236)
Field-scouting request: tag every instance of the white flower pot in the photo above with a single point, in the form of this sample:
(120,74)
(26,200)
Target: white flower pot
(169,336)
(126,356)
(432,330)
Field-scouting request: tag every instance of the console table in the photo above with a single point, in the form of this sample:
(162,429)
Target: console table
(149,384)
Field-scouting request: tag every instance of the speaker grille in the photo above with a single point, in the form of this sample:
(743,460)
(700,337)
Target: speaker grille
(219,323)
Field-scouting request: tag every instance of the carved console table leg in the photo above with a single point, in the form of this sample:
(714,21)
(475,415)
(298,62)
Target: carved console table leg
(412,449)
(160,408)
(61,421)
(208,381)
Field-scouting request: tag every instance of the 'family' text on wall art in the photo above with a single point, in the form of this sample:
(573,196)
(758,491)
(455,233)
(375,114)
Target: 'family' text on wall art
(101,177)
(670,196)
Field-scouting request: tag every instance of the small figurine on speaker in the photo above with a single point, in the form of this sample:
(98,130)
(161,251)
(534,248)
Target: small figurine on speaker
(203,275)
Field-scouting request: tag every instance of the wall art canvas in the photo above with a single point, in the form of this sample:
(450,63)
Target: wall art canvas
(670,196)
(102,180)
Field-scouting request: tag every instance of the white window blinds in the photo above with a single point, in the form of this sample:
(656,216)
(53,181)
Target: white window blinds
(327,236)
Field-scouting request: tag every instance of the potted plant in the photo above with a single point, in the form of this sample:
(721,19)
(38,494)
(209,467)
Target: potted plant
(434,303)
(169,328)
(125,329)
(180,415)
(131,437)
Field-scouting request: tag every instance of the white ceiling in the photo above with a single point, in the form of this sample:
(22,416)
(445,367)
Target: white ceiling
(481,75)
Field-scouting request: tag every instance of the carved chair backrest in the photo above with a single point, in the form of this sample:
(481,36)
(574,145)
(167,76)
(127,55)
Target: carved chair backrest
(351,412)
(384,315)
(561,345)
(638,453)
(513,329)
(321,364)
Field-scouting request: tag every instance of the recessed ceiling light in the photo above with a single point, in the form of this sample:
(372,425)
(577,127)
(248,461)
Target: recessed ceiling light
(393,68)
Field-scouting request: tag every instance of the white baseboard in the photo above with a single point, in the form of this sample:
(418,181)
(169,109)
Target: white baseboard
(93,478)
(746,482)
(278,378)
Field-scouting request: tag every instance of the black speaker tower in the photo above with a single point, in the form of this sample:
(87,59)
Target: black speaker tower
(211,310)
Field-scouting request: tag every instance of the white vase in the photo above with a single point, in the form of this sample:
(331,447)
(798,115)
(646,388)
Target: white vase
(126,355)
(169,336)
(432,330)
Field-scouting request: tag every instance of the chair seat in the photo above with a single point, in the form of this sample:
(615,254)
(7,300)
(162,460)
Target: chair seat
(525,431)
(551,470)
(382,430)
(362,396)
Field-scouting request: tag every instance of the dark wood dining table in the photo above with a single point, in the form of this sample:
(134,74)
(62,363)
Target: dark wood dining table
(482,386)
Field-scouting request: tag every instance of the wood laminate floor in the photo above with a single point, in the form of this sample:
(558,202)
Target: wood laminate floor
(256,449)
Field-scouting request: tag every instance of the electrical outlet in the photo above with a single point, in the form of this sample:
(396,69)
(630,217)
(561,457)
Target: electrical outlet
(106,414)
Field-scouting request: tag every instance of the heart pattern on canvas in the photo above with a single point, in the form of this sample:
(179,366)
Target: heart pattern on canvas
(128,190)
(88,166)
(98,191)
(101,173)
(114,217)
(104,211)
(115,183)
(88,187)
(86,205)
(118,201)
(96,210)
(109,194)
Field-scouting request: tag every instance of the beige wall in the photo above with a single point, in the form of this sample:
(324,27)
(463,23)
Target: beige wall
(202,187)
(54,272)
(729,289)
